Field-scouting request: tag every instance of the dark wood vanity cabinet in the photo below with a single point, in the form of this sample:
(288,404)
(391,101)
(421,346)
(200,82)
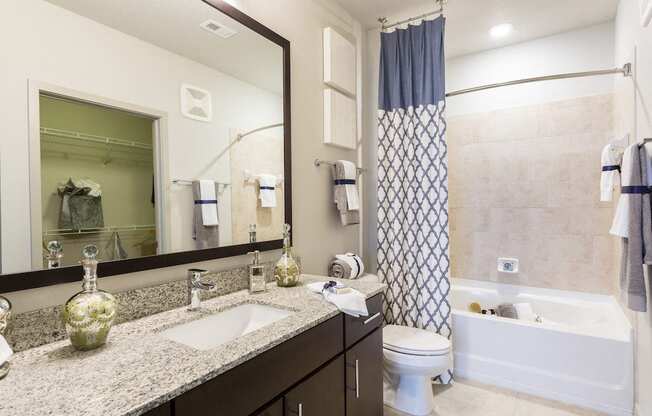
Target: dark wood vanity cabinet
(311,374)
(364,376)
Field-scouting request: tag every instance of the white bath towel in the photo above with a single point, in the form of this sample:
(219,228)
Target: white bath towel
(267,184)
(208,202)
(351,174)
(610,177)
(621,218)
(525,312)
(351,303)
(5,350)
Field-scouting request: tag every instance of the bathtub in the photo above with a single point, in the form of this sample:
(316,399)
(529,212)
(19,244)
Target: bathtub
(582,352)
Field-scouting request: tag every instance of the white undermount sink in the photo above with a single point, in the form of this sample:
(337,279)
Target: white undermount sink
(207,333)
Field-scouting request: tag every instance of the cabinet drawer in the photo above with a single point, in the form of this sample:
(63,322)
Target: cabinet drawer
(357,328)
(247,387)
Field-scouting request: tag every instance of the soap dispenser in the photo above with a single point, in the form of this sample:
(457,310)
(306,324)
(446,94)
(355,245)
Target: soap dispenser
(89,315)
(257,281)
(287,270)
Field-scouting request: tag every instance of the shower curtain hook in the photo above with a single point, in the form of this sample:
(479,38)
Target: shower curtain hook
(383,22)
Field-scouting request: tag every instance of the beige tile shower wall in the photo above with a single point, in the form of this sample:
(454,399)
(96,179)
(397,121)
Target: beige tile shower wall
(524,183)
(258,153)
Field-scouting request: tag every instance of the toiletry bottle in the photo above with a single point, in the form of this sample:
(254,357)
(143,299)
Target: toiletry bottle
(55,254)
(89,315)
(252,233)
(256,275)
(287,270)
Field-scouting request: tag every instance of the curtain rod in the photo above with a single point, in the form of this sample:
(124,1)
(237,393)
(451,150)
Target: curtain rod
(626,70)
(271,126)
(384,25)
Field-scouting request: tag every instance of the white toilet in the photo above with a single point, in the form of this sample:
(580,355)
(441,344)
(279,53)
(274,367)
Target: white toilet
(412,357)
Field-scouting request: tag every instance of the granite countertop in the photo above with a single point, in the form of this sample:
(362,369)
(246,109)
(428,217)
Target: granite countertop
(138,369)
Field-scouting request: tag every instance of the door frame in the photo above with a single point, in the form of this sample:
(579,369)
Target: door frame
(160,155)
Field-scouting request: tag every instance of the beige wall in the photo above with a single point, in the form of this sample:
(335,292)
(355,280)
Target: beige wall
(634,116)
(524,183)
(317,230)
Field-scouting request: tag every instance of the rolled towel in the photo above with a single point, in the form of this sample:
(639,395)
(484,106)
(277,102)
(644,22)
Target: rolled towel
(507,310)
(355,262)
(339,269)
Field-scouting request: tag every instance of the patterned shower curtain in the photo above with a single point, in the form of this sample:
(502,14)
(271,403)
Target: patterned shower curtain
(413,247)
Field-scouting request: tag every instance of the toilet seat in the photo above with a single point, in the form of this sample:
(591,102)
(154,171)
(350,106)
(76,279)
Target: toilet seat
(414,341)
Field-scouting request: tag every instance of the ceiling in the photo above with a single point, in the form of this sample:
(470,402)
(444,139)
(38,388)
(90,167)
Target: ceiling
(174,25)
(468,21)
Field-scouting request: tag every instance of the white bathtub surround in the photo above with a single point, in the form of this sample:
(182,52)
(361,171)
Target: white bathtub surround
(581,354)
(413,243)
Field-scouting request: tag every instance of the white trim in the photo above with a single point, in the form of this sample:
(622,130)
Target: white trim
(160,139)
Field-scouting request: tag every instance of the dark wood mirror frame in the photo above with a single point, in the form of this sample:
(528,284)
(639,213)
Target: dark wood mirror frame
(41,278)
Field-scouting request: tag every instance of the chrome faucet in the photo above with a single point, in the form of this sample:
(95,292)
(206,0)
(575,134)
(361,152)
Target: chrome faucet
(195,286)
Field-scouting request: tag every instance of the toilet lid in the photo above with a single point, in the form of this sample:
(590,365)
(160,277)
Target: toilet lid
(414,341)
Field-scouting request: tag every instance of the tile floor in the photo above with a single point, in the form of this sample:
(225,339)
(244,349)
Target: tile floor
(466,398)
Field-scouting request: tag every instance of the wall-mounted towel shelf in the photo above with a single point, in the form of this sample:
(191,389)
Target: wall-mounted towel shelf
(188,182)
(319,162)
(91,138)
(252,178)
(121,229)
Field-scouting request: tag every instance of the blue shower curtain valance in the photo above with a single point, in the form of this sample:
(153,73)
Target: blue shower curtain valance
(412,66)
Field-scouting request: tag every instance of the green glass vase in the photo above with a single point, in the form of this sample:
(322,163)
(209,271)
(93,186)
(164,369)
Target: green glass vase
(287,270)
(89,314)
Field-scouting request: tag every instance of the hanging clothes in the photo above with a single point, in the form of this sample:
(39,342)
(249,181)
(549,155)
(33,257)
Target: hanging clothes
(81,205)
(413,242)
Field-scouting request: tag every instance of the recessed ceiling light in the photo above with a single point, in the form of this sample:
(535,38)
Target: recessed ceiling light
(500,31)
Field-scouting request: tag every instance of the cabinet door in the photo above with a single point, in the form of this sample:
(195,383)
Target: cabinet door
(364,376)
(163,410)
(274,409)
(320,395)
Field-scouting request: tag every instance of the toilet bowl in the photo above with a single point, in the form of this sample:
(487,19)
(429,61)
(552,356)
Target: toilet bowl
(412,357)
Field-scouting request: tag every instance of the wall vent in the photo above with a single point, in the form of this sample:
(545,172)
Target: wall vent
(196,103)
(218,29)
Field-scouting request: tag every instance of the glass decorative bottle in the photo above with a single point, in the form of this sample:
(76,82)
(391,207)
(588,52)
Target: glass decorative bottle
(89,315)
(287,270)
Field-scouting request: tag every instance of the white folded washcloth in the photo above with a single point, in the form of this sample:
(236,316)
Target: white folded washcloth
(525,312)
(208,202)
(5,350)
(610,161)
(267,185)
(351,303)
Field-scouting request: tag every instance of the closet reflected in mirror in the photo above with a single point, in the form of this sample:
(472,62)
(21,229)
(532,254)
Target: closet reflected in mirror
(163,132)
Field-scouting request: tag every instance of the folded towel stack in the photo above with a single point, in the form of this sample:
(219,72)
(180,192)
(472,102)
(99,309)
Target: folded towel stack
(351,302)
(345,192)
(346,266)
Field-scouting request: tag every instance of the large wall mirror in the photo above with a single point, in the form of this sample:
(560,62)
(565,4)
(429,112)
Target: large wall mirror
(158,130)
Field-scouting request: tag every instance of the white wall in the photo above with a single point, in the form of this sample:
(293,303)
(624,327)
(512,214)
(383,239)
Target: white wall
(61,48)
(584,49)
(634,111)
(317,230)
(580,50)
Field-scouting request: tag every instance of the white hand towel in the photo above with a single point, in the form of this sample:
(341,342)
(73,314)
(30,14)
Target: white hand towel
(351,174)
(267,184)
(610,177)
(351,303)
(208,202)
(357,268)
(620,224)
(5,350)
